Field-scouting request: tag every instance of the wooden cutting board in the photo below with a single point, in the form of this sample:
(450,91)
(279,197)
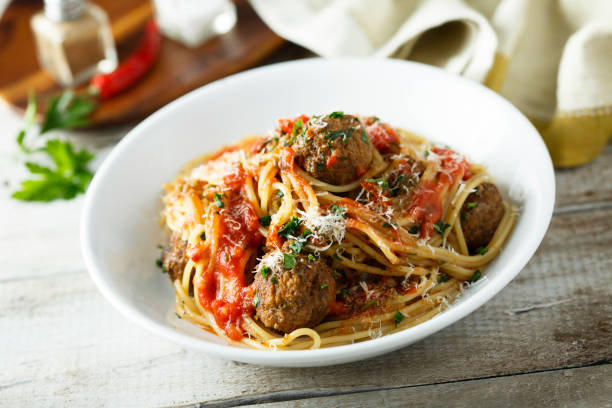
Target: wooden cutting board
(178,69)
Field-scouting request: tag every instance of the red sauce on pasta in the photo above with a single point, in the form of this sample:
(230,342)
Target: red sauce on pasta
(223,290)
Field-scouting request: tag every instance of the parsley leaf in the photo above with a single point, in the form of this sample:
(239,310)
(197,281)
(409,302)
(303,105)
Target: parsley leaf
(297,245)
(475,276)
(414,229)
(398,317)
(481,250)
(265,220)
(311,258)
(364,137)
(69,178)
(70,175)
(370,303)
(471,205)
(255,300)
(219,200)
(441,226)
(444,278)
(265,271)
(289,261)
(279,194)
(338,210)
(324,285)
(290,228)
(336,114)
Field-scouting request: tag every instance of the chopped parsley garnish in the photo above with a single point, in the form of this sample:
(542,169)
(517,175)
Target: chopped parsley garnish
(203,236)
(219,200)
(344,135)
(370,303)
(482,250)
(265,220)
(471,205)
(337,274)
(336,115)
(279,194)
(265,271)
(475,276)
(390,224)
(290,228)
(440,227)
(324,285)
(386,225)
(289,261)
(364,137)
(337,256)
(462,216)
(297,245)
(273,280)
(320,167)
(311,258)
(398,317)
(159,263)
(159,246)
(298,126)
(444,278)
(414,229)
(177,315)
(306,233)
(255,300)
(336,209)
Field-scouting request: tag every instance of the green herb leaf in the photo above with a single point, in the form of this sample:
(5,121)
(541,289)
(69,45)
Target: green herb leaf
(364,137)
(462,216)
(219,200)
(482,250)
(370,303)
(289,261)
(290,228)
(265,220)
(336,114)
(306,233)
(320,167)
(265,271)
(471,205)
(255,300)
(297,245)
(203,236)
(279,194)
(414,229)
(475,276)
(67,112)
(273,280)
(398,317)
(444,278)
(336,209)
(440,227)
(69,178)
(311,258)
(324,285)
(177,315)
(159,263)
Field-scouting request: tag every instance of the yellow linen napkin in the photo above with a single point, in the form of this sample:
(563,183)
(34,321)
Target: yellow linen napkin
(551,58)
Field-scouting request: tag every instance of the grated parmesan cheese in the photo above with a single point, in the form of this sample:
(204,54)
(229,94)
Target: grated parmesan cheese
(328,228)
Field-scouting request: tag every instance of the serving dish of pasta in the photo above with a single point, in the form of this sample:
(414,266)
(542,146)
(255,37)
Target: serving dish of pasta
(299,229)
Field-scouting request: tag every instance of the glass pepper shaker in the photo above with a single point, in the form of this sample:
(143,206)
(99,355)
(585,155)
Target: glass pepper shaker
(74,41)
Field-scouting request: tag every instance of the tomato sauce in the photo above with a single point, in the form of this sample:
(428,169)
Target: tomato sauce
(223,290)
(426,204)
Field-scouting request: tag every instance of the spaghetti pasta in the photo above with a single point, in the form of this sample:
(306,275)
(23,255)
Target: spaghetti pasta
(268,251)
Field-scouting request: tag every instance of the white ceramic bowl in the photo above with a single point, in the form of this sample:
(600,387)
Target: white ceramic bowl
(120,230)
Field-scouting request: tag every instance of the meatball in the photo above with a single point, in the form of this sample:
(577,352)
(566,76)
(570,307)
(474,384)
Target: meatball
(292,298)
(336,150)
(480,215)
(173,256)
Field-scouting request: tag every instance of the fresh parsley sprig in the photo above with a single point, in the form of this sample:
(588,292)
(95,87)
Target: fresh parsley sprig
(69,176)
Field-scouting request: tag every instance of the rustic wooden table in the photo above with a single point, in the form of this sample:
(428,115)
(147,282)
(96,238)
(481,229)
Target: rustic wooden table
(545,340)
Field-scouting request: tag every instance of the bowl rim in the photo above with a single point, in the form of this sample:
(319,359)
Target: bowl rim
(335,354)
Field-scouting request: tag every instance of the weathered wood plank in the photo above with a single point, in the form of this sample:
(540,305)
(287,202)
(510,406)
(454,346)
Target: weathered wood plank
(578,387)
(590,183)
(61,342)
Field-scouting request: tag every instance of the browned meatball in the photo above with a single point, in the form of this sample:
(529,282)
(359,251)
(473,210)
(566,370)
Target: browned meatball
(335,150)
(480,215)
(173,256)
(292,298)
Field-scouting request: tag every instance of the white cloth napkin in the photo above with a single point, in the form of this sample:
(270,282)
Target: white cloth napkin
(551,58)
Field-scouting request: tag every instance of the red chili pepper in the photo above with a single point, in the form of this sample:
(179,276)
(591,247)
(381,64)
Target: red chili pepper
(132,69)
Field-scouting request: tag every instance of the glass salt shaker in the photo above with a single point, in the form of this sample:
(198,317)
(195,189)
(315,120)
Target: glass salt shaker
(74,41)
(192,22)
